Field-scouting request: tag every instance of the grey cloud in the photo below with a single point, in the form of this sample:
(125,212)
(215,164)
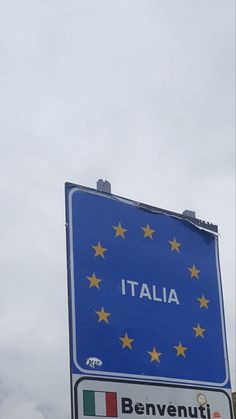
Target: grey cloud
(137,92)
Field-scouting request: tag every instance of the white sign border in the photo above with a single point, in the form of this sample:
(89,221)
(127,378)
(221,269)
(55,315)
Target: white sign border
(114,374)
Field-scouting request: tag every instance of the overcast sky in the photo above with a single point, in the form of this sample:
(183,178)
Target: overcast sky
(138,92)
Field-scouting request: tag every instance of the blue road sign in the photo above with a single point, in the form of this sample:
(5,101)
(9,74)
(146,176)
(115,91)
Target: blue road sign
(145,296)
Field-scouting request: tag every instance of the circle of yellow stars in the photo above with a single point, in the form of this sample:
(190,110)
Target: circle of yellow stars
(103,315)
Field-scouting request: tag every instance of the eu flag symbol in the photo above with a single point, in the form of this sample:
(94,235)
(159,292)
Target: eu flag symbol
(144,293)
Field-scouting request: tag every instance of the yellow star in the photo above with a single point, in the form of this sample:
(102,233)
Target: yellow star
(180,349)
(174,245)
(102,315)
(120,231)
(99,250)
(126,342)
(199,331)
(155,356)
(148,232)
(94,282)
(194,272)
(203,301)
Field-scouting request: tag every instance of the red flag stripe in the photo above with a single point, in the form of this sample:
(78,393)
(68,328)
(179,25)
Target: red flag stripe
(111,405)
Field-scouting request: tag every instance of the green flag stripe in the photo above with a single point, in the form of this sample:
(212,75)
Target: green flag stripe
(89,403)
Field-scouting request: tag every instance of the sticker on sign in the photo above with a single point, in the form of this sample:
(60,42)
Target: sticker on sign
(132,399)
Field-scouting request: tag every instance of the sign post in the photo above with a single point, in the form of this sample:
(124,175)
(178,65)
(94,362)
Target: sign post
(145,310)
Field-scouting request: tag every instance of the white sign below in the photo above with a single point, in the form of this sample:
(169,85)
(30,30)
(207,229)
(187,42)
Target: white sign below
(131,399)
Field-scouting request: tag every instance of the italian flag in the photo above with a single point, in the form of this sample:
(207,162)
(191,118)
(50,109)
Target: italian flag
(100,403)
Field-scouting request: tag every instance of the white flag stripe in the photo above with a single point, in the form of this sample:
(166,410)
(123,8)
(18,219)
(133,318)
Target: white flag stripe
(100,403)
